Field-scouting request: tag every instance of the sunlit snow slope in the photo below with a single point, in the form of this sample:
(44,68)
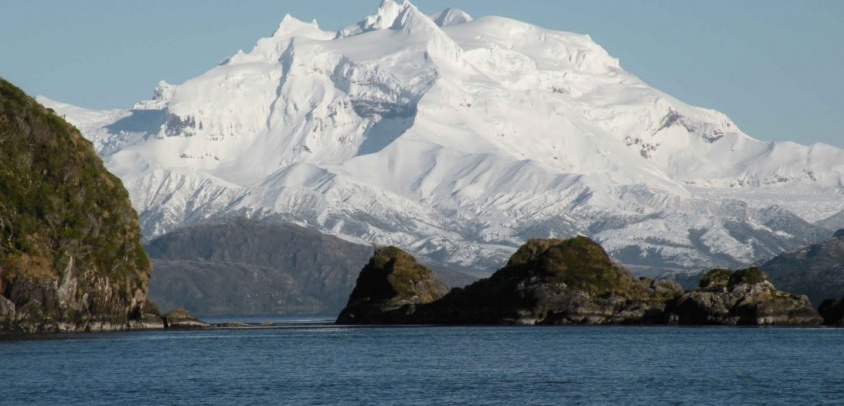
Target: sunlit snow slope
(458,139)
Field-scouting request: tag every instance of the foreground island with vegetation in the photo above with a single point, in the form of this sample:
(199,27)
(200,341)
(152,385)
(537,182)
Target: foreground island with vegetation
(564,282)
(70,255)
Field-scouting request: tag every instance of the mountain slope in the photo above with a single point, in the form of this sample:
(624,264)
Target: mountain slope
(249,267)
(815,270)
(458,138)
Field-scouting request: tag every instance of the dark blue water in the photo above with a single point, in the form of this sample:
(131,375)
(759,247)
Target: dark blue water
(487,365)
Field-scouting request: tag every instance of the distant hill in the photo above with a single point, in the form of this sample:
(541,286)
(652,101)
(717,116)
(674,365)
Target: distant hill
(815,270)
(834,222)
(249,267)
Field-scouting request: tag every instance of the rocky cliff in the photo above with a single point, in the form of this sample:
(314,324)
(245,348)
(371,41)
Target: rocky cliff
(550,281)
(743,297)
(70,251)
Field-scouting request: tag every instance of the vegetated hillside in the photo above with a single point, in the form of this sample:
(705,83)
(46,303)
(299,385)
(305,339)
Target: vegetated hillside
(251,267)
(816,270)
(458,139)
(70,249)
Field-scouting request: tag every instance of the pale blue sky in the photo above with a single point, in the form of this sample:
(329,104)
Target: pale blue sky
(774,66)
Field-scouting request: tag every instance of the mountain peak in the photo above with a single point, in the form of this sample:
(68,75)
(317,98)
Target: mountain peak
(406,18)
(162,95)
(450,17)
(291,26)
(410,19)
(383,18)
(401,17)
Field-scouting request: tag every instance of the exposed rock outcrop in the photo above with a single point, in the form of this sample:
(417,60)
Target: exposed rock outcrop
(70,251)
(743,297)
(148,318)
(545,282)
(575,282)
(390,287)
(182,319)
(557,282)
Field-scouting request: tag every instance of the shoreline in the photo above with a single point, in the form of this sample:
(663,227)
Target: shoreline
(237,326)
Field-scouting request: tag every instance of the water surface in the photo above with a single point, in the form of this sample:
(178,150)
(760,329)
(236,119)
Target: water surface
(322,364)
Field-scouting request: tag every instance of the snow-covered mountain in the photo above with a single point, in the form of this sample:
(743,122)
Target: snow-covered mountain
(458,138)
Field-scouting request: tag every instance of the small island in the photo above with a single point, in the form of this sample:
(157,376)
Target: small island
(71,258)
(567,282)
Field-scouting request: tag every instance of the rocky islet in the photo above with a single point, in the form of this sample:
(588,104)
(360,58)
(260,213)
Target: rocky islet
(565,282)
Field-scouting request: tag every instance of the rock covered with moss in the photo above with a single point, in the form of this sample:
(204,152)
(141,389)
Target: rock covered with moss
(546,281)
(551,281)
(743,297)
(574,281)
(389,287)
(182,319)
(70,248)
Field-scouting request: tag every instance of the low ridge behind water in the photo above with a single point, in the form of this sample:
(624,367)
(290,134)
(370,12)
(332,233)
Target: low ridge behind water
(429,365)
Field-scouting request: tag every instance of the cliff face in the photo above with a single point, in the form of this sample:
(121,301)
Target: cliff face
(70,252)
(575,282)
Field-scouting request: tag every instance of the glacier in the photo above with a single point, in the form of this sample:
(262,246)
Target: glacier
(457,139)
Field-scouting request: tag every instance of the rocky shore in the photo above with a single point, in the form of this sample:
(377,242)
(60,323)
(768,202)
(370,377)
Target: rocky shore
(562,282)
